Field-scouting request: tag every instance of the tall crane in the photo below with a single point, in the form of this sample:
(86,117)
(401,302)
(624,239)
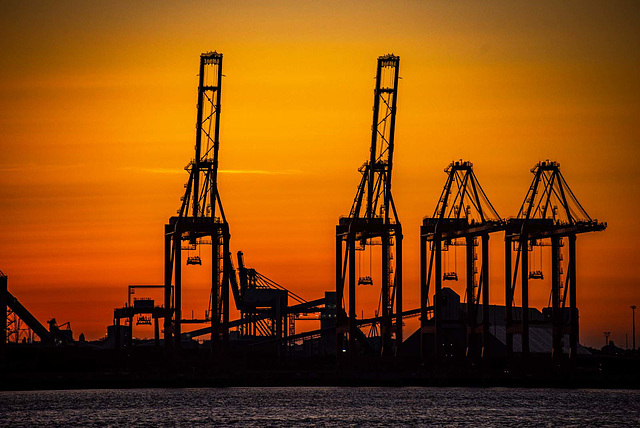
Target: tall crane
(201,219)
(463,213)
(550,212)
(373,220)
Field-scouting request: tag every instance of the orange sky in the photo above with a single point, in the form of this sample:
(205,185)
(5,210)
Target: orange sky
(97,114)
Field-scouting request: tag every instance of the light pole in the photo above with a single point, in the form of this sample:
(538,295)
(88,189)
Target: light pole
(633,323)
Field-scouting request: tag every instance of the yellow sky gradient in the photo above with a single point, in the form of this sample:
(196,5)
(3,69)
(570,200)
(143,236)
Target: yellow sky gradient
(97,114)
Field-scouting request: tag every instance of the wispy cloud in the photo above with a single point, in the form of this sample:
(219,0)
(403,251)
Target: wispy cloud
(157,170)
(260,171)
(223,171)
(43,168)
(37,167)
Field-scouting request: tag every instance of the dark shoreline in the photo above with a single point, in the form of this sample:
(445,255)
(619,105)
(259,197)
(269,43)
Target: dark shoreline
(78,368)
(135,382)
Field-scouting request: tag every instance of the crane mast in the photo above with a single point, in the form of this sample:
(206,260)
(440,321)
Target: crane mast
(201,189)
(375,186)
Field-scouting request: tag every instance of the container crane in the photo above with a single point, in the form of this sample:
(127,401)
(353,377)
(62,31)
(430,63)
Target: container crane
(201,219)
(463,213)
(373,220)
(550,212)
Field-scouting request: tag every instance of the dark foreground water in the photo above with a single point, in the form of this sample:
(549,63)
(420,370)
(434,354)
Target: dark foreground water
(321,406)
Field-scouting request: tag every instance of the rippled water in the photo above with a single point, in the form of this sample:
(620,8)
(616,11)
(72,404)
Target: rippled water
(321,406)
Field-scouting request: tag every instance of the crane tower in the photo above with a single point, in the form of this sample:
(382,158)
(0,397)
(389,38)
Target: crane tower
(550,212)
(201,220)
(373,220)
(462,216)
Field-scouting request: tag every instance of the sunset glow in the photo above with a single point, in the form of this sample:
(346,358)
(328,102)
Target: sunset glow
(97,114)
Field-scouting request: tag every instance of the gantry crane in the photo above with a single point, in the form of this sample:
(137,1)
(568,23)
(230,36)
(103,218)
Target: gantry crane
(373,220)
(550,212)
(201,219)
(463,213)
(265,314)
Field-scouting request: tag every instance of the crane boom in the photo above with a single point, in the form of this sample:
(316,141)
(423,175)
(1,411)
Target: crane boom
(375,187)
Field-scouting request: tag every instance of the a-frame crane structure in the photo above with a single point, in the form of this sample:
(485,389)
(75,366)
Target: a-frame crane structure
(550,212)
(20,324)
(463,213)
(201,219)
(373,220)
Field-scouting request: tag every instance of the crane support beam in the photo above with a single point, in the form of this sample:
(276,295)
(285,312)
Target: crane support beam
(26,316)
(437,300)
(574,331)
(525,296)
(8,301)
(556,314)
(486,335)
(471,291)
(508,297)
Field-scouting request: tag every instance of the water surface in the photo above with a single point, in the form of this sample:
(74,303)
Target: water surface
(321,406)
